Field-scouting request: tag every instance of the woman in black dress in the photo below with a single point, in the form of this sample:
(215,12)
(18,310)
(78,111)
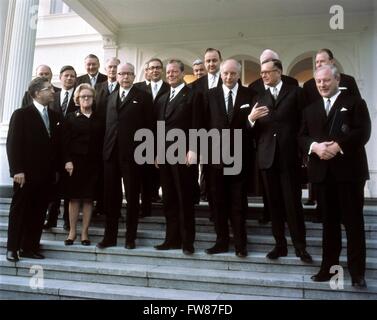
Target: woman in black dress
(82,136)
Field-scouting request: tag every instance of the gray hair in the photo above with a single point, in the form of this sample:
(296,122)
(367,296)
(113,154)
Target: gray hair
(268,54)
(36,85)
(238,65)
(334,70)
(197,62)
(113,59)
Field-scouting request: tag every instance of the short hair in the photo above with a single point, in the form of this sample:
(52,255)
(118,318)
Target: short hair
(80,88)
(113,58)
(43,65)
(91,56)
(155,59)
(213,49)
(328,51)
(197,62)
(179,62)
(334,70)
(239,67)
(276,62)
(36,85)
(66,68)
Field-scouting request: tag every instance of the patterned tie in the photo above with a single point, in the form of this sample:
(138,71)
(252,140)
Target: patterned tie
(93,81)
(172,95)
(275,92)
(46,119)
(123,96)
(328,106)
(65,103)
(230,104)
(111,88)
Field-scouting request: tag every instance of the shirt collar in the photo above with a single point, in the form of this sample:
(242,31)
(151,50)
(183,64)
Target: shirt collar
(332,99)
(126,91)
(39,106)
(234,90)
(177,89)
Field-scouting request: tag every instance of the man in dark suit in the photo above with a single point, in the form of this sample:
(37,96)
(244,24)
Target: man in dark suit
(63,104)
(41,71)
(178,108)
(275,124)
(228,108)
(347,83)
(128,110)
(198,68)
(93,75)
(31,150)
(259,87)
(151,175)
(334,132)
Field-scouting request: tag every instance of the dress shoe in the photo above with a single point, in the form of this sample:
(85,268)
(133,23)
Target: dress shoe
(321,276)
(359,282)
(217,249)
(105,244)
(277,252)
(31,255)
(49,225)
(167,246)
(69,242)
(130,245)
(188,250)
(241,253)
(85,242)
(304,255)
(12,256)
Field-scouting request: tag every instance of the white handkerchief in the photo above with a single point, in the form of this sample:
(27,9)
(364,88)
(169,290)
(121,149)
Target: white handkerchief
(135,101)
(343,109)
(245,106)
(342,88)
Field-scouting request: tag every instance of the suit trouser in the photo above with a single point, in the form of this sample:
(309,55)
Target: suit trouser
(176,182)
(26,216)
(229,201)
(113,197)
(343,203)
(283,193)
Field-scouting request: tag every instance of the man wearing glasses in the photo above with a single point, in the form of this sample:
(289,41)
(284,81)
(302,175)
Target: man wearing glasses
(275,123)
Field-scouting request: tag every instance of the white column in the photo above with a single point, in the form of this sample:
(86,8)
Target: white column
(21,55)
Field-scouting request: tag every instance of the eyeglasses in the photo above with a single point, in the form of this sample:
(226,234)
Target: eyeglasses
(268,72)
(130,74)
(155,68)
(85,97)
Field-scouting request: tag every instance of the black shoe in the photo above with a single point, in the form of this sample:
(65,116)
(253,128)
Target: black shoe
(66,226)
(321,276)
(69,242)
(217,249)
(241,253)
(304,255)
(188,250)
(12,256)
(167,246)
(277,252)
(105,244)
(31,255)
(130,245)
(359,282)
(49,225)
(86,242)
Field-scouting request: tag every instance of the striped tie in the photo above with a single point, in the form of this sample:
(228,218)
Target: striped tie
(172,95)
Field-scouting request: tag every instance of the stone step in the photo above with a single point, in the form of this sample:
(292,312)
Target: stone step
(256,261)
(298,286)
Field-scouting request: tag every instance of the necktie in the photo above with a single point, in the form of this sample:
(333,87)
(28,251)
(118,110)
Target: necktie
(172,95)
(154,91)
(111,88)
(93,81)
(327,107)
(230,104)
(275,92)
(213,81)
(65,103)
(46,120)
(123,96)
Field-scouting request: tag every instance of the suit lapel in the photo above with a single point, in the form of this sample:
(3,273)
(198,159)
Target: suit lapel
(127,100)
(175,104)
(283,92)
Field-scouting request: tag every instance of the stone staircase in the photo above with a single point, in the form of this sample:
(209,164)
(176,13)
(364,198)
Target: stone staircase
(79,272)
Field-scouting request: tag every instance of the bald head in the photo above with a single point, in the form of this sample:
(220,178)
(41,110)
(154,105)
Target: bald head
(44,71)
(268,54)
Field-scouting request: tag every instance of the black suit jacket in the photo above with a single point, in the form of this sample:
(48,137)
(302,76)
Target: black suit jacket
(123,119)
(216,118)
(30,149)
(258,85)
(28,100)
(348,82)
(147,88)
(201,84)
(102,95)
(85,79)
(278,130)
(349,125)
(56,105)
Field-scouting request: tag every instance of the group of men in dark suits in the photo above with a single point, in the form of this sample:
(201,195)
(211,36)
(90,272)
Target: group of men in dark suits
(273,112)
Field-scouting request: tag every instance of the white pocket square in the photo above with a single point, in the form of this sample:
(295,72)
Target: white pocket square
(343,109)
(135,101)
(245,106)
